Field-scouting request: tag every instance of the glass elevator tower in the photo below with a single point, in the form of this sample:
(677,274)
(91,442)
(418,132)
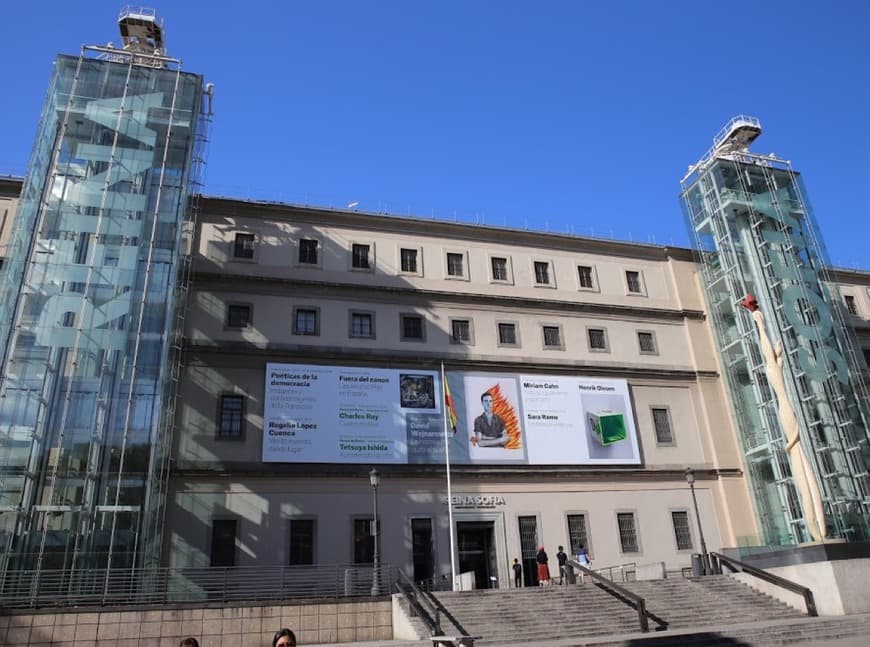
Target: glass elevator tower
(755,235)
(91,307)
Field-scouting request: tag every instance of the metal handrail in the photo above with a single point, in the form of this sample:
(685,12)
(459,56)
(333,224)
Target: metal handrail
(623,569)
(639,602)
(409,590)
(794,587)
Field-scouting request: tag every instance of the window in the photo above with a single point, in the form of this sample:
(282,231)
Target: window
(243,247)
(647,343)
(597,338)
(223,542)
(455,264)
(577,533)
(662,424)
(507,334)
(238,315)
(301,549)
(542,273)
(360,257)
(627,532)
(460,331)
(552,337)
(408,259)
(363,541)
(231,417)
(412,327)
(584,273)
(632,280)
(850,304)
(305,321)
(499,268)
(308,251)
(682,533)
(422,549)
(362,324)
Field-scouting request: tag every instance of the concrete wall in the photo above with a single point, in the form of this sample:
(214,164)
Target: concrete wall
(213,627)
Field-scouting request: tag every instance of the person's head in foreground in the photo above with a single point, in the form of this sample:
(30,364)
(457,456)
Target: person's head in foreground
(284,638)
(189,642)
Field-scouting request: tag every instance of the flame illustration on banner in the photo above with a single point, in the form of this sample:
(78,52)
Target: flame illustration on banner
(452,418)
(502,407)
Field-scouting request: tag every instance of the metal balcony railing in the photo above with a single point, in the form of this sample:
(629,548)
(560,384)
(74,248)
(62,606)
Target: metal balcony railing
(133,586)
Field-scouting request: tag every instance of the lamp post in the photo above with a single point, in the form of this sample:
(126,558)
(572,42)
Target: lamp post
(375,480)
(705,556)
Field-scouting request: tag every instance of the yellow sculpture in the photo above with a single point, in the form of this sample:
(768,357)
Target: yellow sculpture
(801,470)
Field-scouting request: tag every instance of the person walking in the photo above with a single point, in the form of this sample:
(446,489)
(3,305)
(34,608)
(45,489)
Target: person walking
(562,558)
(543,569)
(583,558)
(518,573)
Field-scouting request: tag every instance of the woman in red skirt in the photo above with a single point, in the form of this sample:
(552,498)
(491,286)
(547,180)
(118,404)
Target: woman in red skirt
(543,569)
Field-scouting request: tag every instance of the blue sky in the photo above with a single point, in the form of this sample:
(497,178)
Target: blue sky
(574,117)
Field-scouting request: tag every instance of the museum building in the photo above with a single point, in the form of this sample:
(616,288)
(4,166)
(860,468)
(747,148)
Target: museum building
(195,381)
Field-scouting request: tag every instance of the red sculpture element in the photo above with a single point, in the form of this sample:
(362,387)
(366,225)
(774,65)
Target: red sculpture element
(750,302)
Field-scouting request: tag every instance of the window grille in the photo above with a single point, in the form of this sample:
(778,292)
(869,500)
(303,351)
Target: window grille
(412,327)
(850,304)
(243,246)
(681,529)
(499,269)
(305,321)
(360,257)
(301,542)
(633,281)
(647,342)
(597,339)
(507,334)
(552,336)
(577,532)
(662,424)
(461,331)
(542,273)
(308,251)
(409,260)
(238,316)
(231,416)
(585,273)
(361,325)
(627,532)
(455,265)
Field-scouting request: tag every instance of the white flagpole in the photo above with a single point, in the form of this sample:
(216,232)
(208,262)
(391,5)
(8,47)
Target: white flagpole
(449,487)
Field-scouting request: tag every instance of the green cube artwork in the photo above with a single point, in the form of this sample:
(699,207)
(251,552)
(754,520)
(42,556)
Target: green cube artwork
(608,427)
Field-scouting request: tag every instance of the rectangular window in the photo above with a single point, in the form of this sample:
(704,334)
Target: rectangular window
(360,257)
(223,542)
(301,550)
(305,321)
(597,339)
(460,331)
(455,264)
(577,533)
(662,423)
(362,324)
(412,327)
(231,417)
(243,247)
(632,279)
(238,316)
(542,273)
(499,268)
(850,304)
(308,251)
(585,275)
(681,529)
(363,541)
(627,532)
(552,336)
(408,259)
(647,342)
(507,334)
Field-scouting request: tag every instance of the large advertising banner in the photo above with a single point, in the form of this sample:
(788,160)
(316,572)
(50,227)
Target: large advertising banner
(339,414)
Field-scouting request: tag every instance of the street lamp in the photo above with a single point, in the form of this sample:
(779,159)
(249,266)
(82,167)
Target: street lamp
(705,556)
(375,480)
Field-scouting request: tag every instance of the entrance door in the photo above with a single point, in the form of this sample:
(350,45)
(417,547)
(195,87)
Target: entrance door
(529,548)
(477,550)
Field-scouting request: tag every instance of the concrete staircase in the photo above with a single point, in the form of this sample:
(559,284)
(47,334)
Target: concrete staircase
(693,611)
